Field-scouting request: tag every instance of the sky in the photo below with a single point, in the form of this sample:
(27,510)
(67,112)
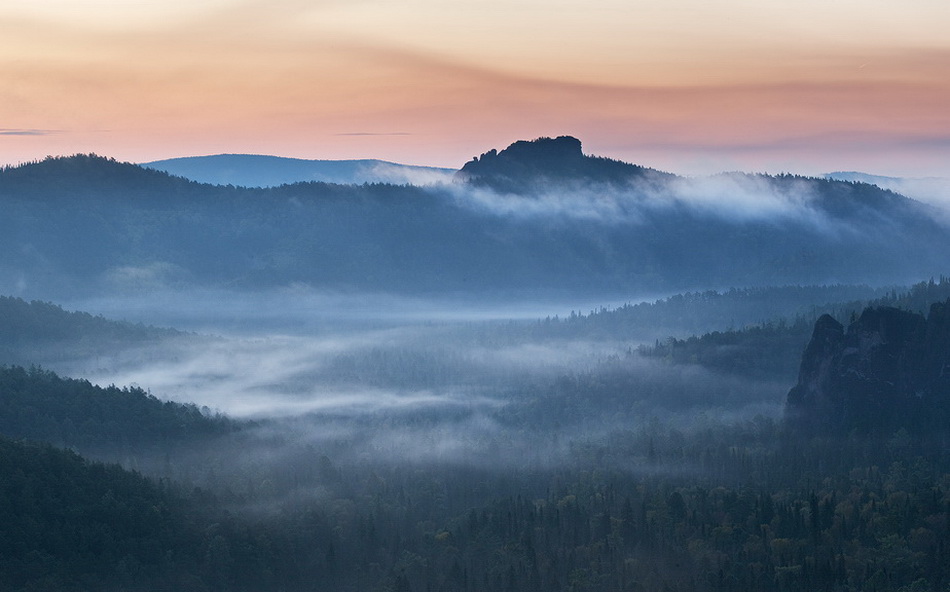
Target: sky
(688,86)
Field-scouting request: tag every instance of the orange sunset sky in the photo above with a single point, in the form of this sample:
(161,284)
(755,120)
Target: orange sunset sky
(690,86)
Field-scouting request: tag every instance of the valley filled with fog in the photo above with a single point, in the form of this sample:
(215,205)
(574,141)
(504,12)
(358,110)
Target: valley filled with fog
(546,371)
(415,380)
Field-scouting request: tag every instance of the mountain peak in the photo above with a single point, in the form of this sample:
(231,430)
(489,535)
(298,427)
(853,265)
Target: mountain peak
(561,148)
(526,165)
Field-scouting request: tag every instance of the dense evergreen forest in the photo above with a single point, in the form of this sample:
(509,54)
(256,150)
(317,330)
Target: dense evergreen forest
(40,406)
(715,504)
(69,524)
(731,508)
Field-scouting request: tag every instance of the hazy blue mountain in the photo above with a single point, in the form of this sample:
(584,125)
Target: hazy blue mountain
(933,190)
(538,216)
(252,170)
(858,177)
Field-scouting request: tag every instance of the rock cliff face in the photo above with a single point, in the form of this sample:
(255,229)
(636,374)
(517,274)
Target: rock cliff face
(889,370)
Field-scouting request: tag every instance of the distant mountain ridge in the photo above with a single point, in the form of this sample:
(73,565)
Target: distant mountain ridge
(252,170)
(932,190)
(538,215)
(881,181)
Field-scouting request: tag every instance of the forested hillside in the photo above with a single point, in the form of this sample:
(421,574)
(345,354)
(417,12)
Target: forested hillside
(692,313)
(41,332)
(68,524)
(615,234)
(113,422)
(773,348)
(747,514)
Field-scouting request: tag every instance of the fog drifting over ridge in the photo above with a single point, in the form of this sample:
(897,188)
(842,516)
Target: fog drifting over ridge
(732,197)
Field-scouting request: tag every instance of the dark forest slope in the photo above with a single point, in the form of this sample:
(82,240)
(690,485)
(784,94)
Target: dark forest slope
(67,524)
(114,422)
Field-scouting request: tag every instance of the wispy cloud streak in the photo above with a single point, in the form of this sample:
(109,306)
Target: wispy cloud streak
(28,132)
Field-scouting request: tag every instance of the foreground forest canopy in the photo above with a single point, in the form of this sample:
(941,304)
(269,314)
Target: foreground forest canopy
(716,506)
(362,392)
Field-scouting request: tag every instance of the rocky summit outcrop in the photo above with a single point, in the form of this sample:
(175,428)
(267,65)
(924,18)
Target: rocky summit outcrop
(889,370)
(529,166)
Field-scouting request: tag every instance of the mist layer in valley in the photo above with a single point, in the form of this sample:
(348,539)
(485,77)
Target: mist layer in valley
(505,303)
(397,379)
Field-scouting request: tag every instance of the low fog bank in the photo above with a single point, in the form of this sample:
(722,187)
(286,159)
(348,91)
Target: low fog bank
(736,198)
(377,381)
(434,392)
(359,371)
(623,413)
(303,310)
